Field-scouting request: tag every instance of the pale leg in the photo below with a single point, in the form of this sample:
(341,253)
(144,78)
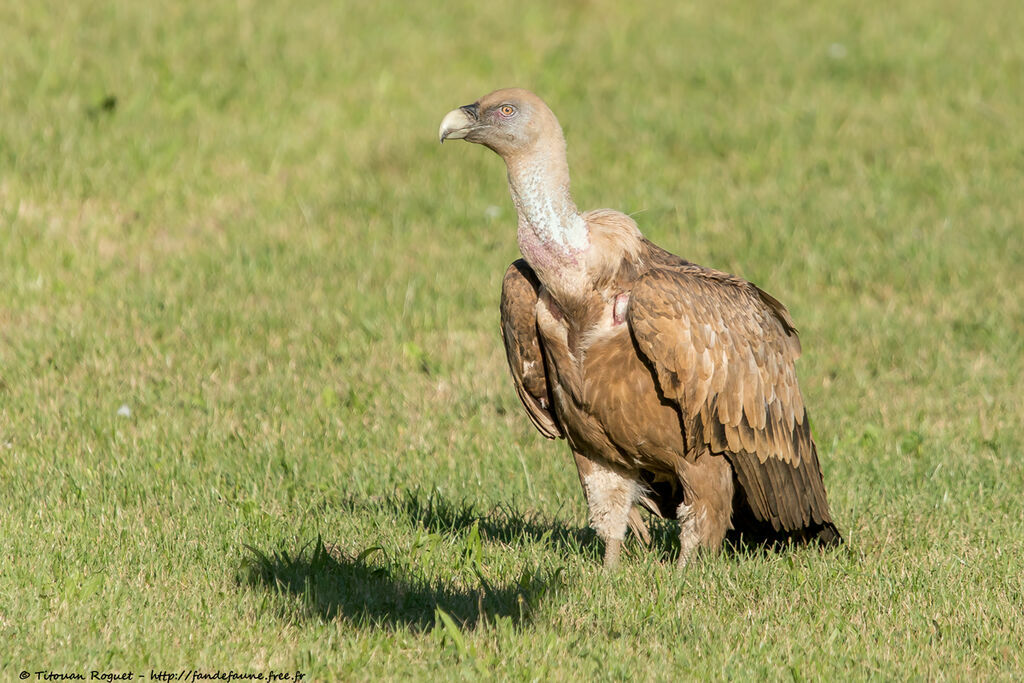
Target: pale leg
(610,496)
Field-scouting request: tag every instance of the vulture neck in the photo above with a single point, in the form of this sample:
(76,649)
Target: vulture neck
(553,236)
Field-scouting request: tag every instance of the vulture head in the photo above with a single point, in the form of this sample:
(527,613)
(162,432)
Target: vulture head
(508,121)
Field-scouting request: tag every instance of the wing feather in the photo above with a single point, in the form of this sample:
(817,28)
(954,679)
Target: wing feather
(724,351)
(519,293)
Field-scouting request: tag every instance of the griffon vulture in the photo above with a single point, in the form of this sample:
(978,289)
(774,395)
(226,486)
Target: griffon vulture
(673,383)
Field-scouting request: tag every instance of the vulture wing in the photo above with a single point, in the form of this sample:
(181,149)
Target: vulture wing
(522,346)
(723,351)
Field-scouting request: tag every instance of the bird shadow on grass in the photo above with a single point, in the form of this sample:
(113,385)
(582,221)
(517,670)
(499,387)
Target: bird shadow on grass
(374,594)
(370,590)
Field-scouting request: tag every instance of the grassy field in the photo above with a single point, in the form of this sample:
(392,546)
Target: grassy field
(254,410)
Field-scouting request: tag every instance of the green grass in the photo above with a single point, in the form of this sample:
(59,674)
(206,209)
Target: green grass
(235,220)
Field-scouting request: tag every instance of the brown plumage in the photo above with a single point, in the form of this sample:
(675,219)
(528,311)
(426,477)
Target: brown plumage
(674,384)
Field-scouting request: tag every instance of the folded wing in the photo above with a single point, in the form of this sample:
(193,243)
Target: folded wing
(724,352)
(519,292)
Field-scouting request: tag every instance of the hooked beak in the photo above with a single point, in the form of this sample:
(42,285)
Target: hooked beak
(458,123)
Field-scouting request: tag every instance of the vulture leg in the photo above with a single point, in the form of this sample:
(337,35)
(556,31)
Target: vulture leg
(706,511)
(636,523)
(610,495)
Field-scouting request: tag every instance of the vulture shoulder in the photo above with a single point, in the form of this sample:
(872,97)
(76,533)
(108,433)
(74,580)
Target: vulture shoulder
(723,351)
(519,294)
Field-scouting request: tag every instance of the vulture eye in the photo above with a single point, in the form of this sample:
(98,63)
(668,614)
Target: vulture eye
(507,110)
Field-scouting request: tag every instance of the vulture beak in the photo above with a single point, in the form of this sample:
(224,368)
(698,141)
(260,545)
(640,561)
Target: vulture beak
(459,122)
